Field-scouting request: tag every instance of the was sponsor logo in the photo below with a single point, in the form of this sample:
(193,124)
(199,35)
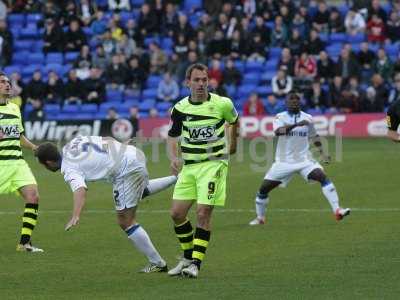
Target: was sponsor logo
(11,131)
(201,133)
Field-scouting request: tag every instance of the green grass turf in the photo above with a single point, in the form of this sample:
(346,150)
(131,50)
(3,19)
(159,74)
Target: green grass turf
(299,254)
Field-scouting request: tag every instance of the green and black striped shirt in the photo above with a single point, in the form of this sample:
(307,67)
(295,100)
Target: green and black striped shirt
(201,126)
(11,129)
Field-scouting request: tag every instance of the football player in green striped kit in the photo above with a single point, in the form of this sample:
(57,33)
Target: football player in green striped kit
(15,174)
(199,120)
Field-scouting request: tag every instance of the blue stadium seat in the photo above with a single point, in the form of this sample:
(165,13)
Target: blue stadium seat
(167,43)
(192,5)
(356,39)
(184,92)
(149,93)
(334,49)
(12,69)
(128,104)
(55,58)
(19,58)
(33,18)
(71,56)
(338,37)
(114,95)
(245,90)
(106,106)
(343,9)
(23,45)
(151,39)
(29,32)
(71,108)
(38,46)
(16,20)
(125,16)
(251,78)
(147,104)
(239,65)
(15,32)
(271,64)
(153,81)
(194,20)
(66,69)
(137,3)
(36,58)
(130,98)
(275,52)
(88,32)
(89,108)
(101,115)
(28,70)
(58,68)
(253,66)
(52,109)
(264,90)
(267,76)
(82,116)
(392,49)
(163,106)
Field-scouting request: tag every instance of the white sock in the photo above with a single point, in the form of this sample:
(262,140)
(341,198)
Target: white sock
(159,184)
(142,242)
(261,206)
(331,195)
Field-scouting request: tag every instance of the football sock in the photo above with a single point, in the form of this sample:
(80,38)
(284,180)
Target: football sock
(29,221)
(261,205)
(329,191)
(184,232)
(142,242)
(158,184)
(200,243)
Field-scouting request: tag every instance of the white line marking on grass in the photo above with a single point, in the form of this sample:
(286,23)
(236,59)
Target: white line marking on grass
(239,210)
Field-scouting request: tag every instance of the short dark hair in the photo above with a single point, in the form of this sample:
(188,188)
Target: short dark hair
(47,152)
(3,74)
(196,66)
(293,96)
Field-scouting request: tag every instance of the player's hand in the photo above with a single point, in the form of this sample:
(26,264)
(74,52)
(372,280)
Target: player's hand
(73,222)
(303,123)
(176,166)
(325,158)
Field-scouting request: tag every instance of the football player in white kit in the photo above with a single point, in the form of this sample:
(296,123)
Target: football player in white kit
(294,128)
(92,158)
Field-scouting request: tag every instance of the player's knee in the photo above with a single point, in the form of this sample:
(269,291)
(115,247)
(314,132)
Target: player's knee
(177,216)
(32,197)
(203,217)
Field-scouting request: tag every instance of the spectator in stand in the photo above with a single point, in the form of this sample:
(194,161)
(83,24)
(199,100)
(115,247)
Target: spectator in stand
(335,92)
(207,26)
(201,46)
(257,50)
(316,98)
(3,11)
(296,43)
(134,119)
(84,56)
(279,34)
(325,68)
(346,67)
(394,94)
(336,23)
(126,46)
(215,87)
(115,28)
(267,8)
(37,114)
(181,46)
(6,44)
(69,13)
(215,72)
(298,23)
(376,9)
(365,58)
(219,46)
(393,27)
(133,32)
(287,61)
(36,88)
(54,88)
(53,37)
(75,38)
(382,65)
(274,106)
(249,7)
(282,83)
(314,43)
(116,74)
(352,97)
(95,87)
(83,70)
(376,30)
(262,30)
(169,20)
(49,11)
(109,44)
(137,76)
(158,58)
(238,46)
(376,95)
(168,89)
(302,81)
(173,65)
(98,26)
(87,11)
(153,113)
(184,27)
(354,22)
(231,75)
(306,62)
(286,15)
(99,59)
(112,114)
(321,19)
(147,22)
(253,106)
(74,90)
(396,64)
(118,5)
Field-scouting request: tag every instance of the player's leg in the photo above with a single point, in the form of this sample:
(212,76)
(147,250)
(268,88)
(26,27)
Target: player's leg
(329,191)
(159,184)
(184,197)
(262,200)
(127,193)
(211,186)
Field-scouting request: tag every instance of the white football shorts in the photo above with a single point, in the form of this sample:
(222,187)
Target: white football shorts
(283,172)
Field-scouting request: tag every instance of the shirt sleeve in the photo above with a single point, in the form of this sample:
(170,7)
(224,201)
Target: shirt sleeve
(177,122)
(392,119)
(278,122)
(229,111)
(75,180)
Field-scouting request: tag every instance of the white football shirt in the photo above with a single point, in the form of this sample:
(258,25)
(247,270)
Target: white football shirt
(294,147)
(92,158)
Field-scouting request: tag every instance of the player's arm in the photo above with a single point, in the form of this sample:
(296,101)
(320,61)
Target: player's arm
(393,122)
(233,133)
(79,202)
(173,141)
(27,143)
(285,129)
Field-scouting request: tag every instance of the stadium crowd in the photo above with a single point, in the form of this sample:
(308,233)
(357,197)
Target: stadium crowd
(114,58)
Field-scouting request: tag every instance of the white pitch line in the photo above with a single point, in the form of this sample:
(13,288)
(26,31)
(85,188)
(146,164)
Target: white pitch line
(239,210)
